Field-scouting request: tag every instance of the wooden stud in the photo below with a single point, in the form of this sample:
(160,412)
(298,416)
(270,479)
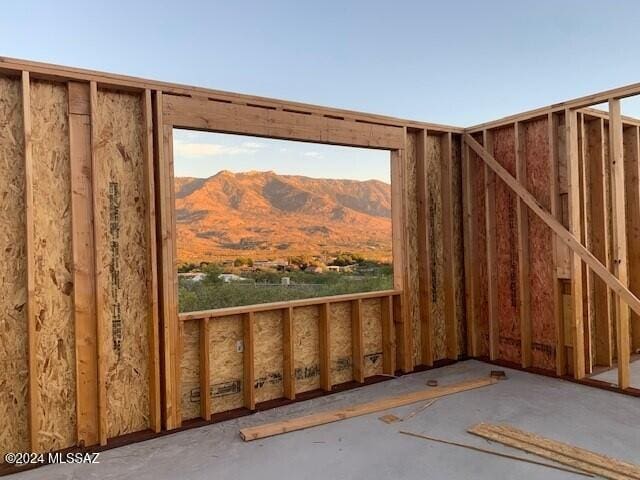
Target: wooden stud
(388,344)
(600,244)
(155,422)
(561,362)
(100,273)
(288,369)
(84,294)
(34,394)
(450,310)
(616,149)
(248,361)
(469,248)
(523,255)
(205,387)
(490,213)
(357,341)
(424,251)
(325,346)
(632,194)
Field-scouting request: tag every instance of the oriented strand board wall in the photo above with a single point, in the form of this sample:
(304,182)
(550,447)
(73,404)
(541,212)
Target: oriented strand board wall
(306,348)
(506,250)
(537,162)
(122,258)
(226,363)
(190,371)
(479,245)
(340,340)
(268,358)
(55,347)
(14,435)
(372,333)
(458,247)
(434,219)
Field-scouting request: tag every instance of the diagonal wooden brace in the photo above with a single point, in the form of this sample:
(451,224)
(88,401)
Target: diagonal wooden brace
(563,234)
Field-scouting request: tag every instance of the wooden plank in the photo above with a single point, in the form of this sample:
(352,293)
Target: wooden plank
(288,370)
(248,361)
(450,310)
(523,255)
(325,346)
(264,307)
(566,236)
(556,212)
(155,421)
(632,193)
(469,247)
(205,375)
(616,150)
(490,215)
(322,418)
(424,251)
(34,394)
(600,244)
(564,453)
(100,275)
(84,295)
(388,343)
(203,114)
(357,341)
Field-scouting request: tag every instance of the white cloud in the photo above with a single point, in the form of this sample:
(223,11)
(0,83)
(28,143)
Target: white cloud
(312,154)
(253,145)
(184,149)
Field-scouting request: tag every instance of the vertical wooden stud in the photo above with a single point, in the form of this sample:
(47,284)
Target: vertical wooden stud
(450,310)
(248,361)
(84,295)
(205,388)
(469,247)
(288,373)
(619,238)
(632,194)
(388,345)
(357,341)
(490,212)
(523,254)
(325,346)
(573,173)
(424,250)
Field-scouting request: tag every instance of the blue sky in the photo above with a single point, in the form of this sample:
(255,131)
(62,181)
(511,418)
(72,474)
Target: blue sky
(460,63)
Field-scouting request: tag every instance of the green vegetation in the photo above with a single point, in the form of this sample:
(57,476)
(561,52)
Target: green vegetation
(307,279)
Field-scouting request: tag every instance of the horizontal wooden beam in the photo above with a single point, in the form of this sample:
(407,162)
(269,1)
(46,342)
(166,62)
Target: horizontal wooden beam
(204,114)
(265,307)
(563,234)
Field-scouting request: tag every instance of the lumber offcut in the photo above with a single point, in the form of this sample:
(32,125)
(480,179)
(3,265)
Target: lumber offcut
(300,423)
(564,453)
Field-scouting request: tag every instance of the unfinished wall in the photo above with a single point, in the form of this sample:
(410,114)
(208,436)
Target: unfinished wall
(268,362)
(14,435)
(306,348)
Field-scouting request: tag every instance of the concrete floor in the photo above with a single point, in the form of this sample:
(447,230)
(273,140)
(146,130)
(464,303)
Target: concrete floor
(611,376)
(366,448)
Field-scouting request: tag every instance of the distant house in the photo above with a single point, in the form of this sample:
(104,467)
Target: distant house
(194,277)
(230,277)
(314,269)
(346,268)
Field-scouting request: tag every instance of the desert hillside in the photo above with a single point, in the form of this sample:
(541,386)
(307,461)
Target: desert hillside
(263,215)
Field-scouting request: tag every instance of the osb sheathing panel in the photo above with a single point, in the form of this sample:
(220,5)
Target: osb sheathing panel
(226,363)
(506,250)
(536,159)
(434,227)
(411,229)
(458,245)
(268,355)
(372,333)
(55,349)
(306,348)
(190,371)
(121,256)
(340,341)
(14,436)
(479,245)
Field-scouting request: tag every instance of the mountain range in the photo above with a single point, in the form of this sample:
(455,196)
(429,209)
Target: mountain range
(266,215)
